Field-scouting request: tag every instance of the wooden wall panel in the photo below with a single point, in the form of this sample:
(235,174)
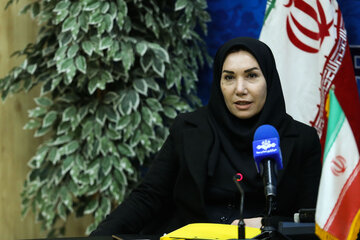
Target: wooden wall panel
(17,146)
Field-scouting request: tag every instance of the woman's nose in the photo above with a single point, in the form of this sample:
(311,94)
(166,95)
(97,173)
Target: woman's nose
(240,88)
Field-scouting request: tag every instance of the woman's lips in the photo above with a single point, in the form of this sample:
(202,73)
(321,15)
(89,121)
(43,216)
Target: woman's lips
(243,105)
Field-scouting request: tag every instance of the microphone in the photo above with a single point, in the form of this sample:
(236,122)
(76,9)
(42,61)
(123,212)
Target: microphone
(268,159)
(241,225)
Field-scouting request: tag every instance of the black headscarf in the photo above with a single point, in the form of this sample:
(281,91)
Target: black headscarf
(233,135)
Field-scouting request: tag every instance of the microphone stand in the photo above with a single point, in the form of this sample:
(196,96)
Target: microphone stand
(268,173)
(241,224)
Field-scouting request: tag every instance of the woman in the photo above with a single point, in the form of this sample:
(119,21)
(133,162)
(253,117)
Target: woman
(191,178)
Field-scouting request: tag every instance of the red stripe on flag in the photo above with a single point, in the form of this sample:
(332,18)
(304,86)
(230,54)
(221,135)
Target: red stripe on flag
(347,95)
(347,206)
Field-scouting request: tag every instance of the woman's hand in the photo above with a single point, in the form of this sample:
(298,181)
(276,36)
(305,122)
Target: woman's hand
(250,222)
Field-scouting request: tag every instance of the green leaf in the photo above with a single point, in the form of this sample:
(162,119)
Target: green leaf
(157,119)
(159,67)
(65,65)
(87,129)
(160,52)
(75,9)
(73,51)
(95,19)
(71,147)
(140,86)
(92,206)
(106,76)
(126,165)
(80,63)
(123,122)
(61,140)
(154,104)
(43,101)
(171,100)
(62,211)
(105,43)
(60,53)
(63,128)
(108,21)
(141,48)
(92,6)
(96,83)
(106,183)
(120,177)
(60,16)
(88,47)
(104,7)
(180,4)
(146,115)
(93,167)
(136,119)
(42,131)
(67,164)
(65,38)
(37,112)
(170,112)
(152,84)
(127,56)
(106,164)
(126,150)
(69,113)
(110,97)
(32,124)
(62,5)
(111,114)
(134,98)
(69,24)
(49,119)
(31,68)
(146,61)
(35,9)
(100,115)
(84,22)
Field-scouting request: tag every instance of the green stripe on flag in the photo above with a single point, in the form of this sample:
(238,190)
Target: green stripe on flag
(270,4)
(335,122)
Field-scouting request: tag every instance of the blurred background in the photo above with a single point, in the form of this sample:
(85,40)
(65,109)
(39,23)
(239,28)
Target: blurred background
(229,19)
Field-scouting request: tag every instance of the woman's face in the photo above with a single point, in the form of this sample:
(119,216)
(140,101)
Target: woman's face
(243,85)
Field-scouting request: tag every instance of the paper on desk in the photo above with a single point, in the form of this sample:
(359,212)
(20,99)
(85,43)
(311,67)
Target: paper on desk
(209,231)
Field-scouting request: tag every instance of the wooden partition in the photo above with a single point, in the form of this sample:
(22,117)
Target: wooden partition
(17,146)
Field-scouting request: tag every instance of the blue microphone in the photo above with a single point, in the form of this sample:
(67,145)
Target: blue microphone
(266,145)
(268,159)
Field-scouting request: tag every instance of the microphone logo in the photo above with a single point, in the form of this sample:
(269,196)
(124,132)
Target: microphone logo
(265,145)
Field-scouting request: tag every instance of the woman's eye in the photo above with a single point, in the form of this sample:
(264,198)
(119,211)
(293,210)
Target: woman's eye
(252,75)
(228,77)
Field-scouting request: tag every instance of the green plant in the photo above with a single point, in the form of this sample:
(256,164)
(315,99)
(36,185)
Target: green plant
(112,75)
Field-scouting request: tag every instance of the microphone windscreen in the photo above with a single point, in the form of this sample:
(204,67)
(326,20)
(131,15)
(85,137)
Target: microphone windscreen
(266,145)
(266,131)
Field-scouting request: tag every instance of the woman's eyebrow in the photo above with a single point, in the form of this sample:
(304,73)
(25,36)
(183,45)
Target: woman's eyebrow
(227,71)
(251,69)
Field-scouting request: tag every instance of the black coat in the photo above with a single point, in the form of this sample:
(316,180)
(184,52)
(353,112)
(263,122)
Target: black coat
(172,193)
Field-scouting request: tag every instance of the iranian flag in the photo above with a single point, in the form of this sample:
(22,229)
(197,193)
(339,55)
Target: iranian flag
(338,204)
(308,39)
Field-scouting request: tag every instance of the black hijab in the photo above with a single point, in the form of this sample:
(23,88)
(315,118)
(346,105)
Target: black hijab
(233,135)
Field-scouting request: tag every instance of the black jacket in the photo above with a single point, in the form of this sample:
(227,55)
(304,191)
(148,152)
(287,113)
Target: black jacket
(172,193)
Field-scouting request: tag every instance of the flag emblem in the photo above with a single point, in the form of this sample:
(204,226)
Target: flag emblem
(309,34)
(338,166)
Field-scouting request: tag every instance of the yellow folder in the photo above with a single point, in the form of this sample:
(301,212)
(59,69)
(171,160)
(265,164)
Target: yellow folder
(209,231)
